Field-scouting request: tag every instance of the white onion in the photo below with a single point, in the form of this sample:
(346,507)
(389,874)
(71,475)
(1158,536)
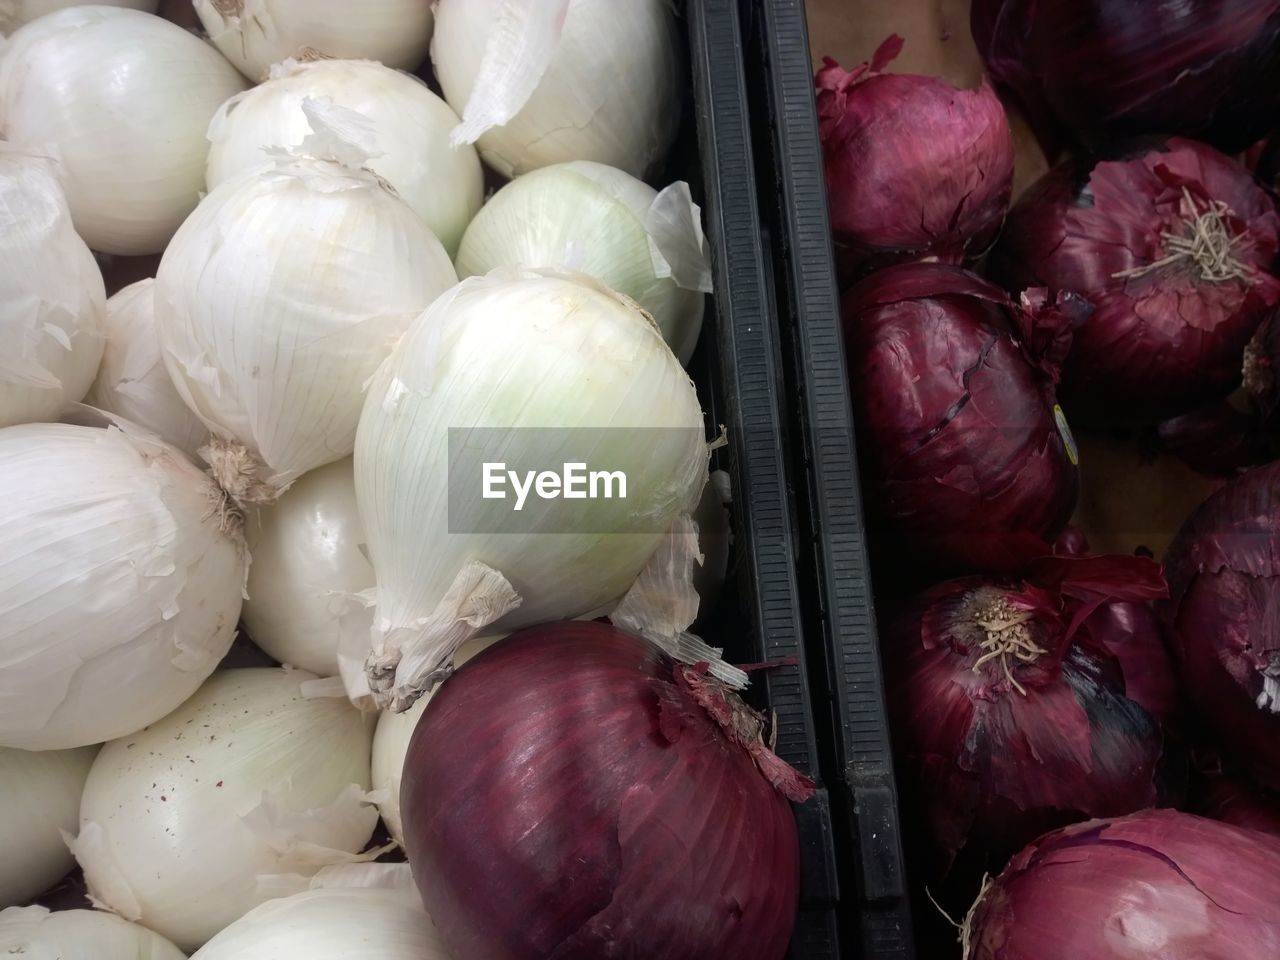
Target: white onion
(14,13)
(252,778)
(133,382)
(254,34)
(125,98)
(516,349)
(391,744)
(34,933)
(306,557)
(52,299)
(715,538)
(411,126)
(336,922)
(119,589)
(279,297)
(603,222)
(544,81)
(39,798)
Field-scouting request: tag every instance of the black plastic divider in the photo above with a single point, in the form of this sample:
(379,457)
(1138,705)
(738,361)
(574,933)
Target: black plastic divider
(837,598)
(745,373)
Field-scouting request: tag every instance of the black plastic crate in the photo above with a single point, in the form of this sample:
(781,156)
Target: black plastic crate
(738,369)
(835,576)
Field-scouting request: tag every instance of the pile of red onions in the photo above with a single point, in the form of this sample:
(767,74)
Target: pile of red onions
(1092,71)
(1173,245)
(572,793)
(1023,705)
(1157,884)
(1224,612)
(915,167)
(963,445)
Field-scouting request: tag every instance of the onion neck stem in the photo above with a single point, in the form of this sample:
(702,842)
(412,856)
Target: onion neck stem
(1005,634)
(1204,242)
(964,927)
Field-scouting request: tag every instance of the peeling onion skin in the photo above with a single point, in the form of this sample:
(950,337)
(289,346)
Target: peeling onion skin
(1224,578)
(547,812)
(1095,71)
(955,408)
(915,168)
(1159,344)
(1155,884)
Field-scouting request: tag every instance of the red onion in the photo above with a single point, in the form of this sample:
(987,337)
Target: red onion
(1173,247)
(1224,610)
(964,448)
(915,167)
(572,793)
(1013,711)
(1156,885)
(1094,71)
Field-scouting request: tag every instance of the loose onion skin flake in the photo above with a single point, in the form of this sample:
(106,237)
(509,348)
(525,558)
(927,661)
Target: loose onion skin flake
(570,792)
(1172,244)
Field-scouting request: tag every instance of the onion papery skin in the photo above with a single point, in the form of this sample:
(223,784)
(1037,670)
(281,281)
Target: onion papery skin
(442,183)
(1094,71)
(330,923)
(1157,883)
(590,218)
(276,302)
(307,562)
(563,798)
(35,933)
(132,381)
(1161,343)
(126,98)
(52,299)
(120,583)
(40,796)
(15,13)
(610,91)
(987,766)
(254,34)
(252,778)
(1224,581)
(915,168)
(967,464)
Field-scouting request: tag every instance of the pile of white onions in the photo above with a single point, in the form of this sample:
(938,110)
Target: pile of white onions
(52,301)
(266,430)
(253,785)
(125,99)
